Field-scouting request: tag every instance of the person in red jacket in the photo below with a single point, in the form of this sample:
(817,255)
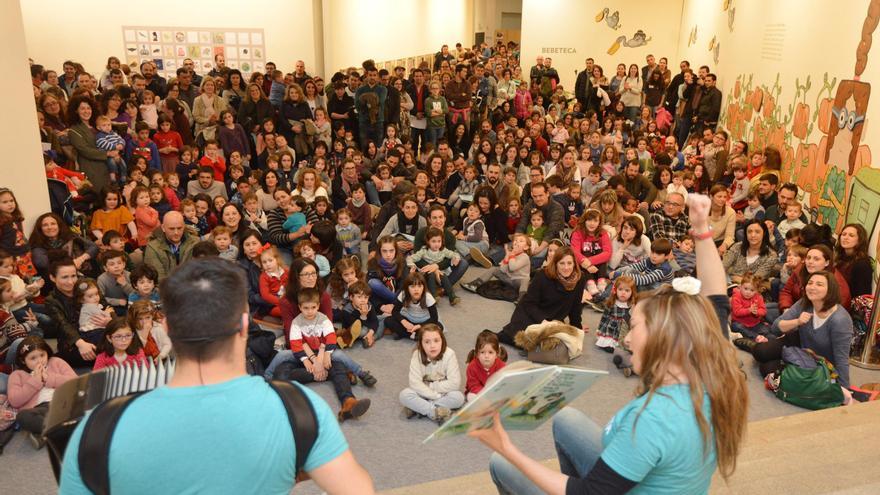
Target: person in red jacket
(592,250)
(747,310)
(119,346)
(273,280)
(213,159)
(483,361)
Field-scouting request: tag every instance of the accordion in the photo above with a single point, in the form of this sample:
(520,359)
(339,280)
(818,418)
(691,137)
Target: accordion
(72,400)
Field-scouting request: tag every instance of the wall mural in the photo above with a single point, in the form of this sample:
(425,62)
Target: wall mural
(835,172)
(638,39)
(613,20)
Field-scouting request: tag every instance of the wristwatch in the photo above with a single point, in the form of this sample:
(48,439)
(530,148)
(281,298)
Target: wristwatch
(702,235)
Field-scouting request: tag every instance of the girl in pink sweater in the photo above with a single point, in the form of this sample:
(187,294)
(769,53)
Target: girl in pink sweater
(146,218)
(592,250)
(33,383)
(119,346)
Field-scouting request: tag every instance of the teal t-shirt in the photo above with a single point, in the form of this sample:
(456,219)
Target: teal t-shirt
(665,454)
(233,437)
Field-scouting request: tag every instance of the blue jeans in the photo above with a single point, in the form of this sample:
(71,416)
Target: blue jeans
(496,254)
(458,271)
(287,355)
(433,134)
(10,360)
(464,247)
(372,193)
(382,294)
(578,442)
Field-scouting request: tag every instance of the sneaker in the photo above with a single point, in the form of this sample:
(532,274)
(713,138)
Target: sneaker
(368,379)
(441,414)
(409,413)
(36,440)
(454,301)
(472,286)
(480,258)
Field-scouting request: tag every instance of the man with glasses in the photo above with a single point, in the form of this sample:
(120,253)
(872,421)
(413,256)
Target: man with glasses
(536,175)
(670,222)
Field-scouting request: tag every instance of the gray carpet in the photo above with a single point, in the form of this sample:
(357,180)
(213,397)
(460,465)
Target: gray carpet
(390,447)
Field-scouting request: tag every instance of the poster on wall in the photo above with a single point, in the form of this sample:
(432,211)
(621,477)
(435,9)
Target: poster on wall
(167,47)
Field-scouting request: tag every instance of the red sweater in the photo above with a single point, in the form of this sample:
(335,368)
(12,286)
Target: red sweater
(741,309)
(477,376)
(104,360)
(595,249)
(165,139)
(219,166)
(270,287)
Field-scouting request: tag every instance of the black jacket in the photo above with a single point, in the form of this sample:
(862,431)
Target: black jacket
(414,97)
(546,299)
(710,105)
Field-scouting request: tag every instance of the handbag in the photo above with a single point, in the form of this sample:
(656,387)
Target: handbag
(810,388)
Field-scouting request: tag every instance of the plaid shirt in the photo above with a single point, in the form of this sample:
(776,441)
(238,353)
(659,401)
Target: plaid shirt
(661,226)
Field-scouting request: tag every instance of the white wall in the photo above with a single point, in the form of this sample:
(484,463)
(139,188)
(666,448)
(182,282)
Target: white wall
(88,31)
(772,51)
(572,25)
(395,29)
(22,166)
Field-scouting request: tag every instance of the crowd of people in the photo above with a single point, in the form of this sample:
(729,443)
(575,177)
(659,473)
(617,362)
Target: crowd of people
(353,207)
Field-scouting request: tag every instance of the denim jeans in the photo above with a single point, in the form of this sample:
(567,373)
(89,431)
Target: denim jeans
(382,293)
(9,360)
(458,271)
(287,356)
(372,193)
(578,442)
(433,134)
(496,254)
(464,247)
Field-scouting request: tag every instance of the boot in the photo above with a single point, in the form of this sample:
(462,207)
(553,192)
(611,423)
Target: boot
(745,344)
(353,408)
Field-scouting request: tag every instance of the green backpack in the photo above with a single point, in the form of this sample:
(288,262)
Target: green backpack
(809,388)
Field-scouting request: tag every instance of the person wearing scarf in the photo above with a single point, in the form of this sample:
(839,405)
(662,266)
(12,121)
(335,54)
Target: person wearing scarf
(554,293)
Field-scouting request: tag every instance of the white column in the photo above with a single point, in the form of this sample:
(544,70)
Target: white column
(21,163)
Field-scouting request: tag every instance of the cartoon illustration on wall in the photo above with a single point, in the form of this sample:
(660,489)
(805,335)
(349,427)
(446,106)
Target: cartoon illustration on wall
(613,20)
(715,48)
(731,13)
(692,39)
(638,39)
(835,172)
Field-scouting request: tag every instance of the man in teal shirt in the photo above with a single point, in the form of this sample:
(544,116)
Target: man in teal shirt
(213,428)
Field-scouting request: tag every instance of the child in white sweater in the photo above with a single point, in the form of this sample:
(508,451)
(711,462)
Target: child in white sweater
(514,268)
(434,378)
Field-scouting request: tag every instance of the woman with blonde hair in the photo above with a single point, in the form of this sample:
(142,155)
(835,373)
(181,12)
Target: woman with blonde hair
(690,413)
(207,108)
(608,203)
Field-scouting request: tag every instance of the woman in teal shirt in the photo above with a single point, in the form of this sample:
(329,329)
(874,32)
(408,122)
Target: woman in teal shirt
(660,442)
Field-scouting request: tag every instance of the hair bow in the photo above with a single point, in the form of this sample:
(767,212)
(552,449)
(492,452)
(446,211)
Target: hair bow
(263,248)
(687,285)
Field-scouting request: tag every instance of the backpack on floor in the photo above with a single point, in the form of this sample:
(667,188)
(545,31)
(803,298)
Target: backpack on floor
(811,387)
(498,290)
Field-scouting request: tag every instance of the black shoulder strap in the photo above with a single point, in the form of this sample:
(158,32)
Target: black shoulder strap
(303,421)
(94,446)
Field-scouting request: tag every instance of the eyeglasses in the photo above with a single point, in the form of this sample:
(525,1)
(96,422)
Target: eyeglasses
(672,203)
(308,274)
(122,337)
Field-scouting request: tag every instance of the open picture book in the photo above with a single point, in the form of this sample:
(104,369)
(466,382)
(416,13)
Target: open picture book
(524,394)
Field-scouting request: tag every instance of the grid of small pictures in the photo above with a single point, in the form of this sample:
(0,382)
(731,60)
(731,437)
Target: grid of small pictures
(168,47)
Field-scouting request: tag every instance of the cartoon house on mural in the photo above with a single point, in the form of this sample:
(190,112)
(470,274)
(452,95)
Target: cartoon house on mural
(835,174)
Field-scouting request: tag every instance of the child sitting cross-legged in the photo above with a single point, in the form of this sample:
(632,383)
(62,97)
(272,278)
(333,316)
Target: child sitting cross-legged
(434,377)
(313,342)
(647,274)
(414,307)
(359,317)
